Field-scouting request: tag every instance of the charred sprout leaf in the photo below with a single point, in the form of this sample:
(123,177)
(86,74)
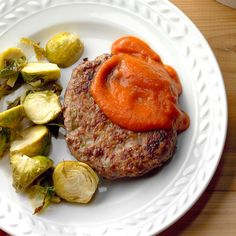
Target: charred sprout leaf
(12,80)
(64,49)
(75,181)
(39,52)
(4,140)
(42,106)
(26,169)
(40,73)
(55,125)
(14,103)
(54,87)
(6,89)
(11,118)
(33,141)
(42,196)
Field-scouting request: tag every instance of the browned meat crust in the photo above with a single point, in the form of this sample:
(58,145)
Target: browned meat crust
(110,150)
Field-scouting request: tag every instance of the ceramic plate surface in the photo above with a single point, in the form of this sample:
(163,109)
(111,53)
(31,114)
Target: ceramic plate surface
(142,206)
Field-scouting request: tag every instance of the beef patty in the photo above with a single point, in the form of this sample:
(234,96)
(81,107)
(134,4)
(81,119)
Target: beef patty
(110,150)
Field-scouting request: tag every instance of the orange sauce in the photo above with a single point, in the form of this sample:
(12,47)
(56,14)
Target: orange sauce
(136,90)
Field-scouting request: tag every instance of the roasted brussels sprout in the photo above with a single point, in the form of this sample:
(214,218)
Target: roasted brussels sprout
(11,62)
(75,181)
(12,117)
(26,169)
(34,141)
(39,73)
(4,140)
(42,106)
(64,49)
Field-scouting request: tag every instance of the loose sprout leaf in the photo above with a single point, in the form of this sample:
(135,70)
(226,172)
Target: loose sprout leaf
(14,103)
(39,51)
(42,193)
(12,80)
(4,140)
(39,197)
(55,125)
(5,89)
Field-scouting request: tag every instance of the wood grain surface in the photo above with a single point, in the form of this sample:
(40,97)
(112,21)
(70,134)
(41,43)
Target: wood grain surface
(215,212)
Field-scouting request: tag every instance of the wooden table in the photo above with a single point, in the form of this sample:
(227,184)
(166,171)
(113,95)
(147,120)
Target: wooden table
(215,212)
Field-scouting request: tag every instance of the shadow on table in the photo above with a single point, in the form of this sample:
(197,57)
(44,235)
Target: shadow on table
(183,223)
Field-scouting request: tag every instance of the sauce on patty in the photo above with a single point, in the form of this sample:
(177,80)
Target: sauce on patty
(136,90)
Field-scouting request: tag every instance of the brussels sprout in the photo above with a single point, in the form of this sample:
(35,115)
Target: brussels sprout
(26,169)
(4,140)
(75,181)
(11,62)
(34,141)
(12,57)
(42,106)
(39,52)
(40,73)
(64,49)
(12,117)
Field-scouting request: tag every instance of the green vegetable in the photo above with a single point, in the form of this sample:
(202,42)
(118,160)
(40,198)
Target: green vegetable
(11,104)
(34,141)
(39,73)
(4,140)
(64,49)
(75,181)
(11,62)
(39,52)
(26,169)
(42,193)
(6,85)
(12,117)
(42,106)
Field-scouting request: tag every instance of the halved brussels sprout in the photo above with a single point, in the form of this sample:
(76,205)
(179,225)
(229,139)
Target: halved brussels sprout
(40,73)
(34,141)
(64,49)
(75,181)
(4,140)
(42,106)
(11,62)
(26,169)
(12,55)
(12,117)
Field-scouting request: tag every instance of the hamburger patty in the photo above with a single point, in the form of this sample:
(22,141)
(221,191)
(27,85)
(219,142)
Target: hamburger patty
(110,150)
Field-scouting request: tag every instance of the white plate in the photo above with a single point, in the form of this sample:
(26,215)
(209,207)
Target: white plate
(142,206)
